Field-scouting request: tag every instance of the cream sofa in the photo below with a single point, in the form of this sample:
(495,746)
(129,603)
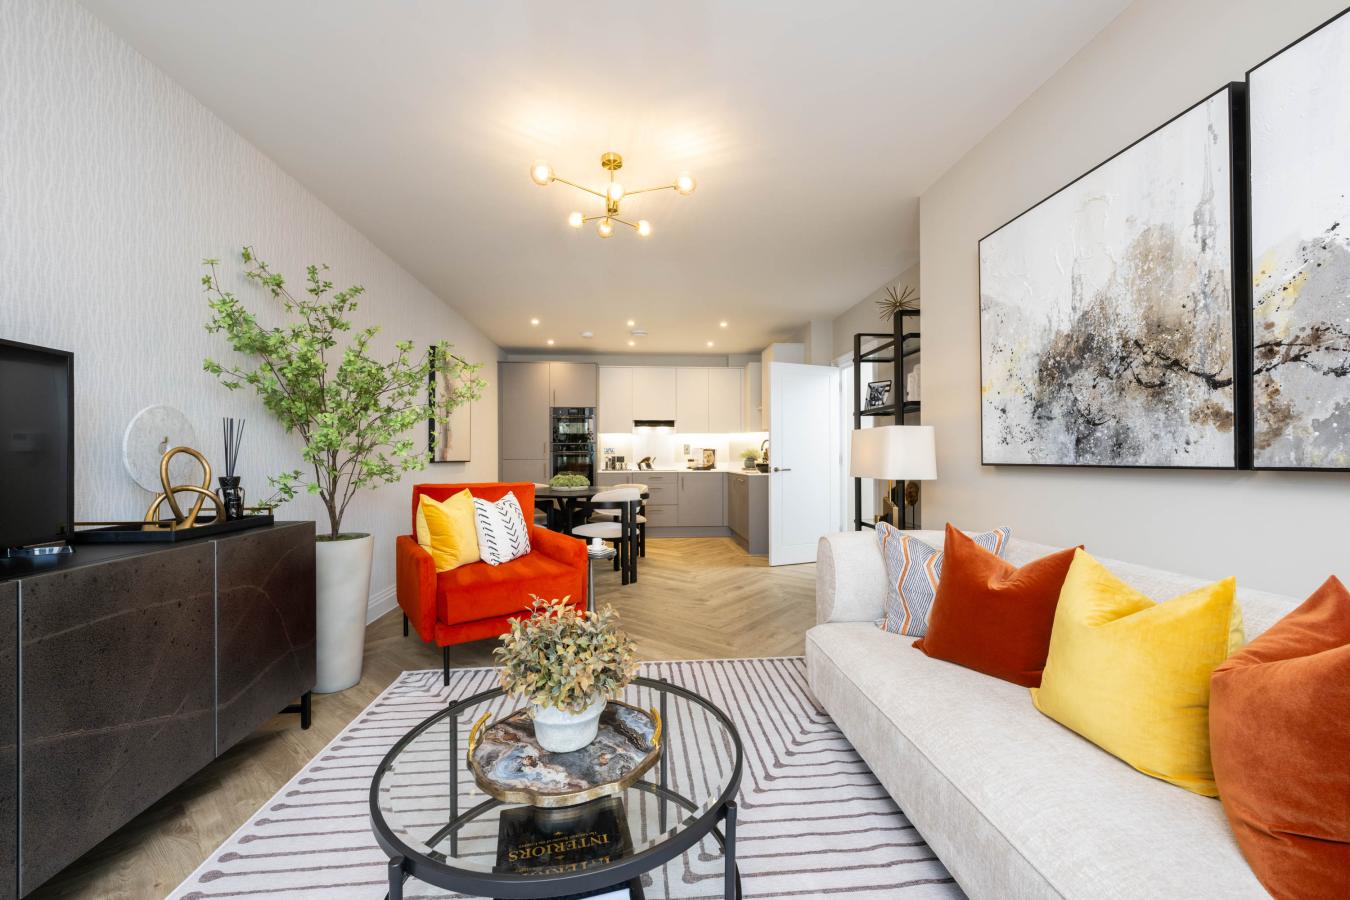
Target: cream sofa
(1013,803)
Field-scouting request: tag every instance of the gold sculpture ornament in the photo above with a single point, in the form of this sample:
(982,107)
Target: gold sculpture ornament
(204,492)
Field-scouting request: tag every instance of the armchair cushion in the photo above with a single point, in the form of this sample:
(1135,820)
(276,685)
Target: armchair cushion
(481,591)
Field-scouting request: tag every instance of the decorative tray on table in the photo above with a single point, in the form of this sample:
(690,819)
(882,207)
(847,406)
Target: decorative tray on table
(509,765)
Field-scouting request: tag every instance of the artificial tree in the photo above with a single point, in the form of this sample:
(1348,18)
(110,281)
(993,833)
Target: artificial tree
(354,413)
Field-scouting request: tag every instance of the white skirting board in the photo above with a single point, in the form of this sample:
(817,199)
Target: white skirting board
(381,602)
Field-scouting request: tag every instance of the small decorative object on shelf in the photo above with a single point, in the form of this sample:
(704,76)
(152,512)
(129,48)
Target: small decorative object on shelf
(231,494)
(878,393)
(565,664)
(897,301)
(168,495)
(569,481)
(749,458)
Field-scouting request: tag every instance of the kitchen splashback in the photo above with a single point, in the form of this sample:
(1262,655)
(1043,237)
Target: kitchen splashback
(667,448)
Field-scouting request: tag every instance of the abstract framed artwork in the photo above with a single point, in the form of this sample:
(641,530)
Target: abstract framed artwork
(452,440)
(1299,107)
(1107,327)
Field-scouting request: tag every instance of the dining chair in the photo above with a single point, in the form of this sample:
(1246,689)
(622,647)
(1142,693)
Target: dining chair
(641,519)
(623,531)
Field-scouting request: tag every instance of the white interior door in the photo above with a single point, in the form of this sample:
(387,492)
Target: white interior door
(804,459)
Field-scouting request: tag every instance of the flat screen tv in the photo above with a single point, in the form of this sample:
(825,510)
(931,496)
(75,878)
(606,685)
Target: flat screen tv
(37,445)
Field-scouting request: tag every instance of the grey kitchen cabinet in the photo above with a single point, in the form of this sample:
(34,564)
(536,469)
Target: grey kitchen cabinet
(701,498)
(748,510)
(532,470)
(663,516)
(573,384)
(662,487)
(523,402)
(612,479)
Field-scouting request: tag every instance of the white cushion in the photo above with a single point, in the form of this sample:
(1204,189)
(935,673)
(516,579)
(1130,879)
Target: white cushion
(610,530)
(502,532)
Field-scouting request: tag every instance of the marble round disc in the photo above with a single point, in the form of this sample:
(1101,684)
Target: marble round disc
(153,431)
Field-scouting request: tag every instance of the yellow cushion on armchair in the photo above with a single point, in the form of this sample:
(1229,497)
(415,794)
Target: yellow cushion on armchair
(1132,675)
(445,529)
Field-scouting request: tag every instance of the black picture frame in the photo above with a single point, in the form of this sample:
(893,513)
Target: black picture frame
(1248,239)
(1240,288)
(878,394)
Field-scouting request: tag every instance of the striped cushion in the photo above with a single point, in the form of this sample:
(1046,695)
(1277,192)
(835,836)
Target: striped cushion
(912,572)
(502,532)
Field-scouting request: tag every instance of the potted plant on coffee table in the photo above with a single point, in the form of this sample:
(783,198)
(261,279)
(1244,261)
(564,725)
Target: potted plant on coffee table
(355,416)
(566,665)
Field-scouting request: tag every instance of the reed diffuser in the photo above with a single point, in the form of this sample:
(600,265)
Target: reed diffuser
(231,494)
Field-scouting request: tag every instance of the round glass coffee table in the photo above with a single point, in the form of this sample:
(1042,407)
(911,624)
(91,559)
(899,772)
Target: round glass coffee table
(652,838)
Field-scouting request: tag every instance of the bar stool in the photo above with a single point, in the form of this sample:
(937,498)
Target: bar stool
(624,501)
(641,519)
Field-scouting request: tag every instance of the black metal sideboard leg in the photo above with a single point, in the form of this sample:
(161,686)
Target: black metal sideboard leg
(729,851)
(306,710)
(396,878)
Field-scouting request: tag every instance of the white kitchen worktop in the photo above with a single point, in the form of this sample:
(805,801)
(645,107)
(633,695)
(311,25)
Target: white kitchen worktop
(717,471)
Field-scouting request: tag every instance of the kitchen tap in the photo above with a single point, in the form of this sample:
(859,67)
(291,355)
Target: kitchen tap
(764,450)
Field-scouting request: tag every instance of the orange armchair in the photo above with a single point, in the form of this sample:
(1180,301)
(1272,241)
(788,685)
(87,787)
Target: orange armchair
(477,601)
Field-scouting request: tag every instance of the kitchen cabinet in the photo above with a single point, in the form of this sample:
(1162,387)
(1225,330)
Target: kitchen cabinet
(614,412)
(748,510)
(691,401)
(724,400)
(612,479)
(531,470)
(572,384)
(752,398)
(654,393)
(701,498)
(523,399)
(662,487)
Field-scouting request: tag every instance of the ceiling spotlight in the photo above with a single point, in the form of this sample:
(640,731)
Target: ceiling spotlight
(709,343)
(604,228)
(632,343)
(631,323)
(576,220)
(722,324)
(685,184)
(542,173)
(644,228)
(534,321)
(550,342)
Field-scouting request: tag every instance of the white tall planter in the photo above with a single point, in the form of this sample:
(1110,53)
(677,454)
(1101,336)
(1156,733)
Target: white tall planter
(342,597)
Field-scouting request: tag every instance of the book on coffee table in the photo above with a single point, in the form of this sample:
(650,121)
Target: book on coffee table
(536,841)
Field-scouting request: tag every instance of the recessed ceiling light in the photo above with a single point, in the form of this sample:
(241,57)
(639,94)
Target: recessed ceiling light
(534,321)
(550,342)
(631,323)
(709,343)
(722,324)
(632,343)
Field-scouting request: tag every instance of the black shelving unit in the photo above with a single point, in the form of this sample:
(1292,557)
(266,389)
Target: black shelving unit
(897,346)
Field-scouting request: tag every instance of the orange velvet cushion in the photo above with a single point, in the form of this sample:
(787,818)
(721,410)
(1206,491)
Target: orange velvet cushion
(991,616)
(1279,732)
(480,591)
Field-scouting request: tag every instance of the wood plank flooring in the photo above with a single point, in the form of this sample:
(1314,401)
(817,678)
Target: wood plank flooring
(696,598)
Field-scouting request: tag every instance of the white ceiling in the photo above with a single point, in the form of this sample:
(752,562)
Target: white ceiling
(812,126)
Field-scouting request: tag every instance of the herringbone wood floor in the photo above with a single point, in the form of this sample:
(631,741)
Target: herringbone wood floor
(696,598)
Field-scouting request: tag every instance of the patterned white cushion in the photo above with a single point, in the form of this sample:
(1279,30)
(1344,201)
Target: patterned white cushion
(502,532)
(912,572)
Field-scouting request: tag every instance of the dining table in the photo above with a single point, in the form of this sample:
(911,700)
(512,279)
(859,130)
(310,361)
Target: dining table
(561,505)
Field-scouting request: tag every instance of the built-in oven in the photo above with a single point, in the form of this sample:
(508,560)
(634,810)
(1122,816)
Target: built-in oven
(572,432)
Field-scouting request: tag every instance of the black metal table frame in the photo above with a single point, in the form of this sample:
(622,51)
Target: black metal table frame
(561,509)
(404,862)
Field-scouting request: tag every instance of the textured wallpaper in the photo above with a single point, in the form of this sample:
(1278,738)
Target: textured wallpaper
(114,184)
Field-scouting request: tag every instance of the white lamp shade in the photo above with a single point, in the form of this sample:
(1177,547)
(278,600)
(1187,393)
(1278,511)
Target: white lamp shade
(894,452)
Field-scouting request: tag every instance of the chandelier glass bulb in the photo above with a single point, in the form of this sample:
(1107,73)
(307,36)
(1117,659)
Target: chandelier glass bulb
(604,228)
(576,220)
(685,184)
(614,193)
(644,228)
(542,173)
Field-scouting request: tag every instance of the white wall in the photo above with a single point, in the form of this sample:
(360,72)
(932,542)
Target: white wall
(114,184)
(864,317)
(1277,531)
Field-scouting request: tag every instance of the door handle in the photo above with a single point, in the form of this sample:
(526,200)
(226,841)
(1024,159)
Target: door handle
(776,469)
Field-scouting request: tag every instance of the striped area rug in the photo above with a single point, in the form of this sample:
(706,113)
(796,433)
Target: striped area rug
(813,820)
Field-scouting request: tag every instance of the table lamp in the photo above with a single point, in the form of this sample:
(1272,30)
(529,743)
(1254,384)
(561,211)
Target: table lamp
(894,453)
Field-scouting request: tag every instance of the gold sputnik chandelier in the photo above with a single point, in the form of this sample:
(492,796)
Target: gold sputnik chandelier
(614,192)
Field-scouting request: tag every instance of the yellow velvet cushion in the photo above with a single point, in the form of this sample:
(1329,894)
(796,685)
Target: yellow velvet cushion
(1132,675)
(445,529)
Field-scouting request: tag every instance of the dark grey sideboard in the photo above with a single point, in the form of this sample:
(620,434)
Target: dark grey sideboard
(129,667)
